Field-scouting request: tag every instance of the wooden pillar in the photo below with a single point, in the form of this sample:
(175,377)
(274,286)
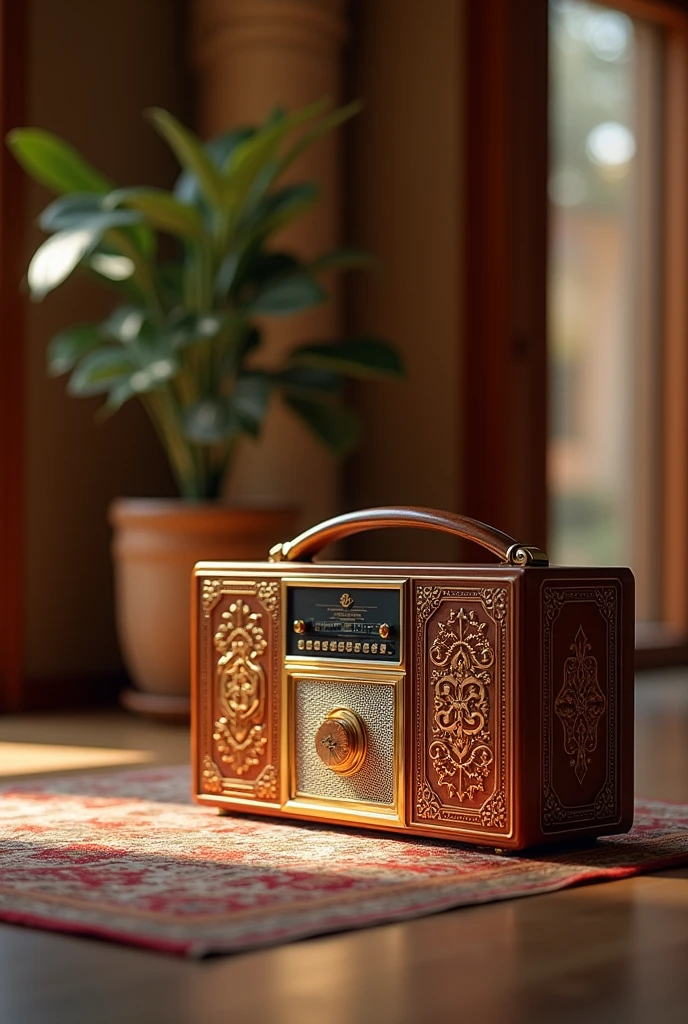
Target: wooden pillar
(504,371)
(251,55)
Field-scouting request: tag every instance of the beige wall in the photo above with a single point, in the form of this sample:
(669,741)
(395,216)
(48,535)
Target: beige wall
(94,66)
(405,187)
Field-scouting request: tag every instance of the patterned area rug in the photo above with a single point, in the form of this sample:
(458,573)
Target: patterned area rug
(126,856)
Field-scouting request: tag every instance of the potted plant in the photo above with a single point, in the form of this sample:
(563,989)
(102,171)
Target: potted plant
(183,340)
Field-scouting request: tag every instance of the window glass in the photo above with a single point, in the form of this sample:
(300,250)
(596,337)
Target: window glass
(604,291)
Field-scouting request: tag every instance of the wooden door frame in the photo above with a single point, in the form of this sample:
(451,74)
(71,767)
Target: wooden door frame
(13,53)
(503,372)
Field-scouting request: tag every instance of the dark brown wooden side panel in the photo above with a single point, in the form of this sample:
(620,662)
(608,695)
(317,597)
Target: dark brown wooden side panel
(238,728)
(462,743)
(585,703)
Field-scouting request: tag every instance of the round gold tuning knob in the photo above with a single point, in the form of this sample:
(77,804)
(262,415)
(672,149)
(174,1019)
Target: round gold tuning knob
(384,630)
(299,626)
(340,742)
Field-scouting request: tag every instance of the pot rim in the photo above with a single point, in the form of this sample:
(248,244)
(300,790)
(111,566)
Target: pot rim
(123,511)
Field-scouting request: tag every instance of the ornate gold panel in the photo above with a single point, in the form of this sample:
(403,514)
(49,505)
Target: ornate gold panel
(462,775)
(239,734)
(375,703)
(238,650)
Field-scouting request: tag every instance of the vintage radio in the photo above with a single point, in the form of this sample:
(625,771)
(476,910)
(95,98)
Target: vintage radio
(490,704)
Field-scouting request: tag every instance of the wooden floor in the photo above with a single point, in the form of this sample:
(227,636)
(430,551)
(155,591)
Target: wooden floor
(610,953)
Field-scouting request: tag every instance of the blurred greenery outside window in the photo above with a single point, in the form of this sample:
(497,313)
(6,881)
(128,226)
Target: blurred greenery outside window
(605,315)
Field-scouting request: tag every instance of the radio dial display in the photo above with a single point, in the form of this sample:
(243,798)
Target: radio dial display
(355,623)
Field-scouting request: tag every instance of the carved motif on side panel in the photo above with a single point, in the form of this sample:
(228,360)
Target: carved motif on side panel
(211,780)
(427,599)
(427,803)
(579,705)
(494,601)
(210,594)
(240,732)
(463,676)
(461,750)
(268,594)
(239,735)
(493,813)
(552,810)
(266,784)
(263,788)
(605,804)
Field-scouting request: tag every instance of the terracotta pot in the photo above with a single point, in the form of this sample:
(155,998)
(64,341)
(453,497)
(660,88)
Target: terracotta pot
(156,543)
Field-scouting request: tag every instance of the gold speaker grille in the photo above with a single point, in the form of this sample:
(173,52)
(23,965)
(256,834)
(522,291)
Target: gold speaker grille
(374,704)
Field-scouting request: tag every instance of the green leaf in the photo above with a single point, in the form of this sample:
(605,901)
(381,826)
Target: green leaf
(246,164)
(255,155)
(69,211)
(158,367)
(266,265)
(250,398)
(124,324)
(211,421)
(282,296)
(141,381)
(149,347)
(278,209)
(336,426)
(257,267)
(98,371)
(219,150)
(244,342)
(58,256)
(170,281)
(142,237)
(323,127)
(160,209)
(117,396)
(226,274)
(54,163)
(195,327)
(112,266)
(190,152)
(343,259)
(365,358)
(276,115)
(68,346)
(302,381)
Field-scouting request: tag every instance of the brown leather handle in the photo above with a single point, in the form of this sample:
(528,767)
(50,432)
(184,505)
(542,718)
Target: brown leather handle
(309,543)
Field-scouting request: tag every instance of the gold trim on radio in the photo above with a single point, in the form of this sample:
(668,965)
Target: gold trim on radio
(336,808)
(341,742)
(345,583)
(346,669)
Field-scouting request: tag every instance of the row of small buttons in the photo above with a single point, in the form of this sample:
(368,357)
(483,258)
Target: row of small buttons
(344,647)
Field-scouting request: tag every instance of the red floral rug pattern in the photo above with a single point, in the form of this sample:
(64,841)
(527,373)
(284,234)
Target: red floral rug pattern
(126,856)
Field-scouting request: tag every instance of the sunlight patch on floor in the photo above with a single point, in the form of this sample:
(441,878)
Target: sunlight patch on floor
(32,758)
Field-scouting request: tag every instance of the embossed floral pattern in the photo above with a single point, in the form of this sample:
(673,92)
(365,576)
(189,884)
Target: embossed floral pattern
(240,732)
(580,704)
(460,750)
(210,594)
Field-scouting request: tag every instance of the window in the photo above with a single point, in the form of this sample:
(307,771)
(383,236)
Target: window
(576,217)
(605,302)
